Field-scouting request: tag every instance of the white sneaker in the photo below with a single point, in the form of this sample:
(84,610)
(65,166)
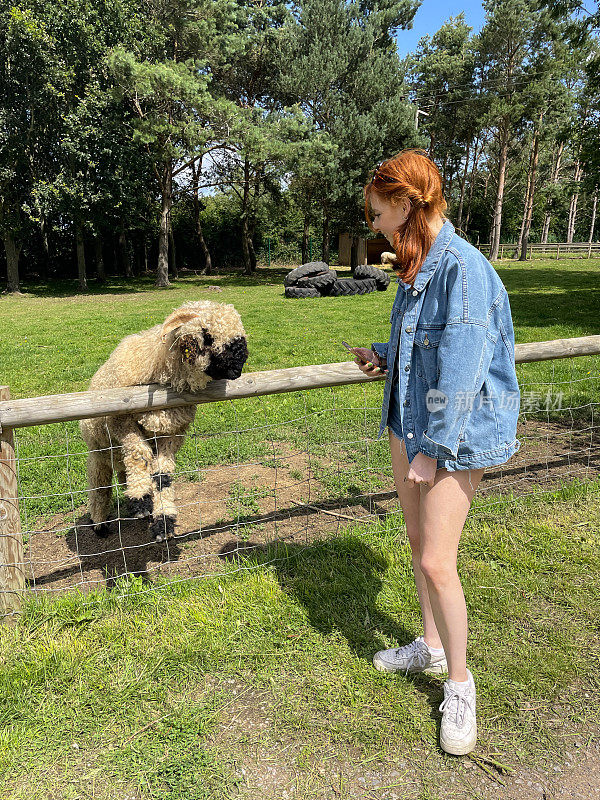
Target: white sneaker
(458,732)
(413,657)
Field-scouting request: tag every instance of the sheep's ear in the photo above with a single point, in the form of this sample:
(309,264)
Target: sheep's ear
(176,320)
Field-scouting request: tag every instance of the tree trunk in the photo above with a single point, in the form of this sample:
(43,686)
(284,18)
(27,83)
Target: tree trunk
(305,235)
(463,185)
(354,254)
(138,251)
(251,232)
(81,268)
(100,271)
(517,250)
(206,265)
(432,141)
(162,271)
(531,190)
(573,203)
(497,220)
(444,168)
(206,268)
(45,266)
(472,183)
(123,250)
(172,252)
(245,221)
(246,248)
(325,243)
(13,251)
(554,179)
(592,226)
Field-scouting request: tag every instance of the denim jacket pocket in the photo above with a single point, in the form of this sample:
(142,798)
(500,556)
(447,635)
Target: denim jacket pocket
(427,340)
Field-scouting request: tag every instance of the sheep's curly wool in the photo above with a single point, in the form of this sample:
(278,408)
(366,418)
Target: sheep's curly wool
(198,342)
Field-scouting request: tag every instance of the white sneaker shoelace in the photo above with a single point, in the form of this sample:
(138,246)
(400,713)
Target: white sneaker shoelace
(456,705)
(419,657)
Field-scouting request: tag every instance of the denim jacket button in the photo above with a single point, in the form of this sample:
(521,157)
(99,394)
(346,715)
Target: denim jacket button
(407,402)
(415,293)
(407,368)
(409,435)
(409,329)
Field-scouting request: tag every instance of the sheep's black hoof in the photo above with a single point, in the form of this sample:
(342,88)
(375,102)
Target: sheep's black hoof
(101,529)
(140,507)
(162,528)
(162,480)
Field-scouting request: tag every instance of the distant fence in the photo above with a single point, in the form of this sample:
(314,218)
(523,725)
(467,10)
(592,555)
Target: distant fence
(556,249)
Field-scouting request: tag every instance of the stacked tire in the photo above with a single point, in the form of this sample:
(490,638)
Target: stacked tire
(315,279)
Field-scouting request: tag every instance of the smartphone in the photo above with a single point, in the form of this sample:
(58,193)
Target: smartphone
(351,349)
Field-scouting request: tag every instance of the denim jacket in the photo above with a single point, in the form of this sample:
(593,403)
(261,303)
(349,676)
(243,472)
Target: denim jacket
(452,347)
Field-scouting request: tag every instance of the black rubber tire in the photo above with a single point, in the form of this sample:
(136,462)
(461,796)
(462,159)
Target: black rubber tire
(303,271)
(366,271)
(321,282)
(350,286)
(301,291)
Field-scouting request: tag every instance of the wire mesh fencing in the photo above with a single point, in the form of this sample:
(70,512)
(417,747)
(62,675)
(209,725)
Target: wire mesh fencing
(284,468)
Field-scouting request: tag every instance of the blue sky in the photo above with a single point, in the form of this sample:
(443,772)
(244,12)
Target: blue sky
(431,16)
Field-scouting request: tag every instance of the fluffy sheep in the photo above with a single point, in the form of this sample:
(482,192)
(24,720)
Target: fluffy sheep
(388,258)
(198,342)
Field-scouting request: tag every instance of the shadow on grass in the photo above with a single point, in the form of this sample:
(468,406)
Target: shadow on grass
(264,276)
(337,581)
(127,550)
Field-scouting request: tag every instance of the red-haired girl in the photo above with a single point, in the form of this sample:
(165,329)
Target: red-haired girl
(450,402)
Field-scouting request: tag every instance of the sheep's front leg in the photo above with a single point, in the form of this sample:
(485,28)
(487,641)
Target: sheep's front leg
(137,458)
(164,510)
(99,475)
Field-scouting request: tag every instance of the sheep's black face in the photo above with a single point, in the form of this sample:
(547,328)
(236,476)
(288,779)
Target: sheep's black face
(230,362)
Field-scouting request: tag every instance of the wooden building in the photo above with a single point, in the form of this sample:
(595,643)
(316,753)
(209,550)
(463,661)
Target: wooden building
(369,250)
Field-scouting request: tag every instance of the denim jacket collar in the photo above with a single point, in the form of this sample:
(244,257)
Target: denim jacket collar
(439,246)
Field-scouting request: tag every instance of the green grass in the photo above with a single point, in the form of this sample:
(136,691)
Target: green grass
(289,637)
(82,677)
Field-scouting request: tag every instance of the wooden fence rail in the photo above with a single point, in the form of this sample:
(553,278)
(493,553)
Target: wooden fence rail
(20,413)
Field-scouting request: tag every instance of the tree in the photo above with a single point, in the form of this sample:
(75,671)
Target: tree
(344,72)
(505,48)
(168,91)
(32,81)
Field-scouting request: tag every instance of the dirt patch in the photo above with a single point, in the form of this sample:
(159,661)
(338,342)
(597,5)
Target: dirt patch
(218,516)
(271,764)
(233,508)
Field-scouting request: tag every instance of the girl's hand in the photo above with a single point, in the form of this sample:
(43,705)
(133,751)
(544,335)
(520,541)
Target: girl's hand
(422,469)
(374,365)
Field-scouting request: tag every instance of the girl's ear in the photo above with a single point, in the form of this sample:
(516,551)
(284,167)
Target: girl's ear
(178,318)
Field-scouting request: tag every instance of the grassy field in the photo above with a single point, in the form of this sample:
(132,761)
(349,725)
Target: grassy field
(256,681)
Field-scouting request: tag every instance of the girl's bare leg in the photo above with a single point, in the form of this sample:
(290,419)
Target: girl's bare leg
(410,498)
(443,510)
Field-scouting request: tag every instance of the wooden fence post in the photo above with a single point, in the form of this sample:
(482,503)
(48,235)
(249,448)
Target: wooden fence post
(12,575)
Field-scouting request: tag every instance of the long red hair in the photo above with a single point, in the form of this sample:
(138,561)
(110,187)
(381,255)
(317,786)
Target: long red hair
(411,174)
